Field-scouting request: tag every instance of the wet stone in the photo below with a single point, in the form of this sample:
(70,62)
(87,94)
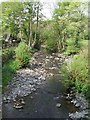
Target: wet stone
(58,105)
(78,115)
(56,98)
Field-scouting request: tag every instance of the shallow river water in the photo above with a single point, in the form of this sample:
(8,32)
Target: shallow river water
(42,104)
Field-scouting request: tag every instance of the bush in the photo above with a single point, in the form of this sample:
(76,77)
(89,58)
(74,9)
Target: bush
(76,73)
(8,71)
(51,45)
(72,48)
(22,54)
(86,90)
(32,50)
(7,54)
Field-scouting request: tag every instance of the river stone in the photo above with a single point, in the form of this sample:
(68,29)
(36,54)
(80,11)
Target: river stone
(78,115)
(68,97)
(22,101)
(31,97)
(51,57)
(58,105)
(47,57)
(56,58)
(33,89)
(56,98)
(59,55)
(18,107)
(4,99)
(77,105)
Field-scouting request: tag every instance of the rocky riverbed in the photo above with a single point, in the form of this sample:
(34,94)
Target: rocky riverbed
(80,102)
(27,81)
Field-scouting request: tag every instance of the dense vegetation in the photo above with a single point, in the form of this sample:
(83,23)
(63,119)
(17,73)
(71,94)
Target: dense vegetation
(24,31)
(76,73)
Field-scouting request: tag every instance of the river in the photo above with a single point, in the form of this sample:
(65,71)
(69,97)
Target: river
(48,101)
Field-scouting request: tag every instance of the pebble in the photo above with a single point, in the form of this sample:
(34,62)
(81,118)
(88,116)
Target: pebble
(18,107)
(56,58)
(58,105)
(31,97)
(56,98)
(77,105)
(78,115)
(22,101)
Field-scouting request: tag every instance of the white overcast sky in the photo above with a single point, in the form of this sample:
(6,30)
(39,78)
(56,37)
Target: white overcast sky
(49,5)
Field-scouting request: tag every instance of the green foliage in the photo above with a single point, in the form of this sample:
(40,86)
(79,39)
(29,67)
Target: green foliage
(10,13)
(22,54)
(51,45)
(72,48)
(76,73)
(7,54)
(70,25)
(20,19)
(86,90)
(8,71)
(51,41)
(10,66)
(32,50)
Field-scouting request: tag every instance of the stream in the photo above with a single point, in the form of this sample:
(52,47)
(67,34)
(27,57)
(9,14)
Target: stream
(47,99)
(43,103)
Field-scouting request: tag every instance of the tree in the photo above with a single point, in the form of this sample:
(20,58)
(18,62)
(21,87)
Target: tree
(38,17)
(69,23)
(20,19)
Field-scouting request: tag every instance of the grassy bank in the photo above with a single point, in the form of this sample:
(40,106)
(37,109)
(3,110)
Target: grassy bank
(8,71)
(19,59)
(76,73)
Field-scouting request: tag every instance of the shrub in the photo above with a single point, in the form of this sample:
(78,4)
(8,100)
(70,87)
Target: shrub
(72,47)
(32,50)
(7,54)
(49,39)
(86,90)
(8,71)
(22,54)
(76,73)
(51,45)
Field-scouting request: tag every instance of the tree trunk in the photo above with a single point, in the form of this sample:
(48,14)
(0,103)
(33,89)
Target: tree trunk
(37,42)
(30,32)
(20,28)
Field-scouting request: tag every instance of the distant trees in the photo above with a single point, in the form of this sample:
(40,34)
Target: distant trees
(23,20)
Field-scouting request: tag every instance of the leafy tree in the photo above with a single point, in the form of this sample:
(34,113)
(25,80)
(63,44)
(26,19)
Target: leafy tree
(69,23)
(20,18)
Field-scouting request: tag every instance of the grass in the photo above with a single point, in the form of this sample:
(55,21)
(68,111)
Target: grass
(76,73)
(72,50)
(7,54)
(14,59)
(8,71)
